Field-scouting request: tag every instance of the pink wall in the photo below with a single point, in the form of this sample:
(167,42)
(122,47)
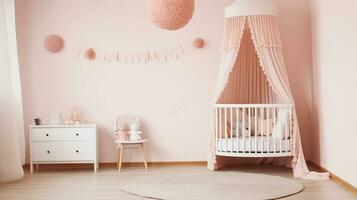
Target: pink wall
(294,18)
(334,30)
(173,98)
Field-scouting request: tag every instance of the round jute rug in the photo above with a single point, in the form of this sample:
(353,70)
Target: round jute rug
(211,186)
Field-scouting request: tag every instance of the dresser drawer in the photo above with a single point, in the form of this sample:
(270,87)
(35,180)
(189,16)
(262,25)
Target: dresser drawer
(63,151)
(63,134)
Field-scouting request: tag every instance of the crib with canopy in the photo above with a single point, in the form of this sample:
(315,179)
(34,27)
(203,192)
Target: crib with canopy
(254,112)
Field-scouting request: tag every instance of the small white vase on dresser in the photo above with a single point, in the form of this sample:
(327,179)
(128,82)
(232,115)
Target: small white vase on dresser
(61,144)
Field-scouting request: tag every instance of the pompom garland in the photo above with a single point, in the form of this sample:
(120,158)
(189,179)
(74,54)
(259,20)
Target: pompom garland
(90,54)
(170,14)
(142,57)
(199,43)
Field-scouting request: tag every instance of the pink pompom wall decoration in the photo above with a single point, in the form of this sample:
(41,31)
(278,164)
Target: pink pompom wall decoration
(90,54)
(170,14)
(199,43)
(54,43)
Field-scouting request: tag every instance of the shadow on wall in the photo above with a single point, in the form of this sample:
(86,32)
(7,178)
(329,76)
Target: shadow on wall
(315,125)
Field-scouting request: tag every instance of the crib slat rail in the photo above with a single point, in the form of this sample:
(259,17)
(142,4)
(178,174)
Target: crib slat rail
(254,130)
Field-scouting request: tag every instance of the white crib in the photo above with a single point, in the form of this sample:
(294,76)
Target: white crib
(254,130)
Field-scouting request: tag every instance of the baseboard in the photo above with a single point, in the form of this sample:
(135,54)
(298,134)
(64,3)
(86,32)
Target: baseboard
(157,164)
(334,177)
(126,164)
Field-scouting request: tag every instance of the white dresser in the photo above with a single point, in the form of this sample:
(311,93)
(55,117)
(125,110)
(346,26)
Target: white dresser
(63,144)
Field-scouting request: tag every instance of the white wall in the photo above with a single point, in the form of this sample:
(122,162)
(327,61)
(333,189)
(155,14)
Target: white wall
(334,29)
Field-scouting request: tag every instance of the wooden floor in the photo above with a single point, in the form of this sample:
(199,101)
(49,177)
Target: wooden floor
(82,184)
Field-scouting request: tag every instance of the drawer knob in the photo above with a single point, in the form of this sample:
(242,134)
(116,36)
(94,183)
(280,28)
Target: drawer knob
(47,134)
(48,151)
(77,134)
(77,151)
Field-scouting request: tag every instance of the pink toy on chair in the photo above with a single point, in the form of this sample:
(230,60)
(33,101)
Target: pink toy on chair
(121,133)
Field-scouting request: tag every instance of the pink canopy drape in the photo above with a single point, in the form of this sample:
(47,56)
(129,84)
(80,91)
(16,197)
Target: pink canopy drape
(253,71)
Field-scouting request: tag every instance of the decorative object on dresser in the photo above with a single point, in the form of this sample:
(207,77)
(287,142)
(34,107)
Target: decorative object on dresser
(63,144)
(36,121)
(56,119)
(75,119)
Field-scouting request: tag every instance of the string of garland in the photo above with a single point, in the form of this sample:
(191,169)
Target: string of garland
(141,57)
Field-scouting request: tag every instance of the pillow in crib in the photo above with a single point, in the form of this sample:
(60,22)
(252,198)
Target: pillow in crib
(234,129)
(240,129)
(227,126)
(280,126)
(262,129)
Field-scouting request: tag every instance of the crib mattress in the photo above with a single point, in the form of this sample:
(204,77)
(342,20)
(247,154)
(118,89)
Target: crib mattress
(260,144)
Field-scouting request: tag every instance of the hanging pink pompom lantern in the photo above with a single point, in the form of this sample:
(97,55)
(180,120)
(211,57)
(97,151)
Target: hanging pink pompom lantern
(199,43)
(90,54)
(54,43)
(170,14)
